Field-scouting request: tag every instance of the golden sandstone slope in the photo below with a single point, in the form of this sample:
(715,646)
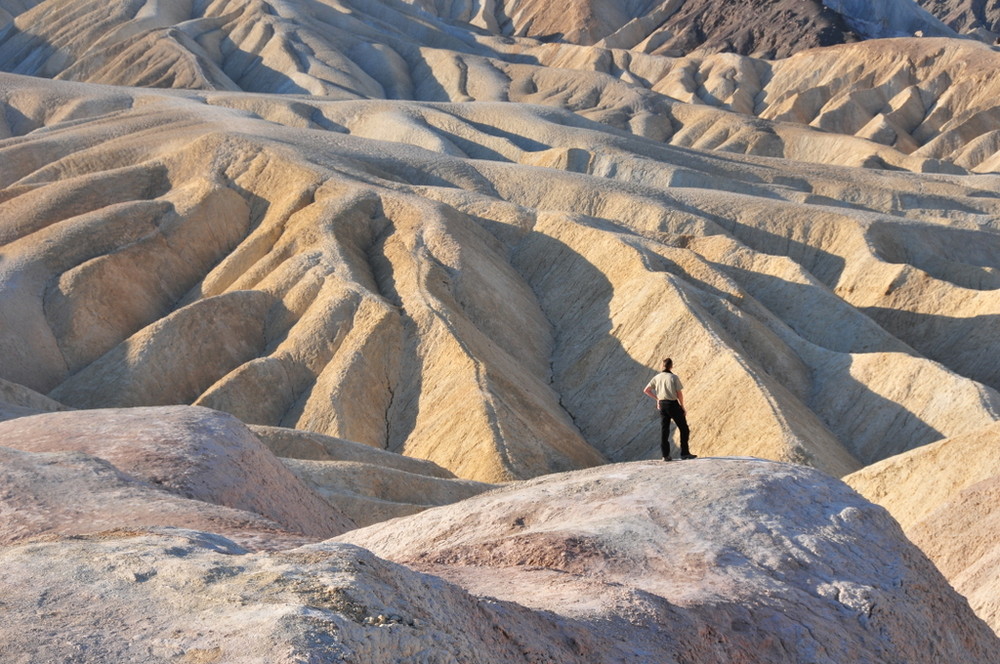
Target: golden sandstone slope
(372,225)
(408,253)
(383,293)
(944,495)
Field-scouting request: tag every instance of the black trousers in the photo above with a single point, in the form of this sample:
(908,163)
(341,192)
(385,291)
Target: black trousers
(671,410)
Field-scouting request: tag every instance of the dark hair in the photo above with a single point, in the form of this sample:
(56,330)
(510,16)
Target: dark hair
(668,364)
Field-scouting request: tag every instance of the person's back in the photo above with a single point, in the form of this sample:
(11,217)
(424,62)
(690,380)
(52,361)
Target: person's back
(667,389)
(666,386)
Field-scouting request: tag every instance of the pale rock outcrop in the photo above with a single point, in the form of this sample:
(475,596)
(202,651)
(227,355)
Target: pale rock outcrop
(702,555)
(181,595)
(192,452)
(51,495)
(185,465)
(767,563)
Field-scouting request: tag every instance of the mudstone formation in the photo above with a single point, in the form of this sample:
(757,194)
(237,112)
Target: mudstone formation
(324,326)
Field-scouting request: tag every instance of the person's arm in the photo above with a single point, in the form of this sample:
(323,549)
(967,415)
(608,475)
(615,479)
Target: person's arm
(680,399)
(650,393)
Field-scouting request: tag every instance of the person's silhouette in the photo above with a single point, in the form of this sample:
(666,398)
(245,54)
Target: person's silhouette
(667,389)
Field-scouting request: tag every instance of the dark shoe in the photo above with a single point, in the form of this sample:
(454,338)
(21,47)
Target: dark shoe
(666,458)
(689,456)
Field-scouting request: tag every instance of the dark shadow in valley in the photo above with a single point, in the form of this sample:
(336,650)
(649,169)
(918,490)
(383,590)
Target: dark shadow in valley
(598,383)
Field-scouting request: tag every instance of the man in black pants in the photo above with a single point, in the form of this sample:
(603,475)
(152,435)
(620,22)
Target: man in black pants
(666,388)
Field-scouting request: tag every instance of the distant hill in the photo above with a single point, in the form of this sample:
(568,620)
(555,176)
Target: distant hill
(760,28)
(979,18)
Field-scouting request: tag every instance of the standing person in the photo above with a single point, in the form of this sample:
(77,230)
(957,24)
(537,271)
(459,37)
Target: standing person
(666,388)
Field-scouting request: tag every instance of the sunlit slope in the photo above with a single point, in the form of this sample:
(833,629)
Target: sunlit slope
(495,305)
(944,497)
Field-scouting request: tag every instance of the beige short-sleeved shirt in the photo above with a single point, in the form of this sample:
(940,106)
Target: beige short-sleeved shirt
(665,386)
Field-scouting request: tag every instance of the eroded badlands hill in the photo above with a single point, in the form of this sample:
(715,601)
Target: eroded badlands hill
(944,495)
(496,309)
(420,252)
(766,563)
(977,17)
(763,28)
(908,103)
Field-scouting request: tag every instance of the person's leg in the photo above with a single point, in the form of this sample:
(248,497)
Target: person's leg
(680,418)
(665,430)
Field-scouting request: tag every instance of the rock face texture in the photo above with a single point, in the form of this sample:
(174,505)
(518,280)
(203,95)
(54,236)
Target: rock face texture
(702,554)
(86,472)
(57,494)
(977,18)
(191,452)
(195,597)
(765,563)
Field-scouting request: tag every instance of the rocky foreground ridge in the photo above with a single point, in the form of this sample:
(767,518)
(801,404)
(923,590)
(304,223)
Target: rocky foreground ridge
(716,560)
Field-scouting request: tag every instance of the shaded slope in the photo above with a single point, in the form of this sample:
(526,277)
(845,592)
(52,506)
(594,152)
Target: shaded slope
(944,496)
(961,538)
(978,18)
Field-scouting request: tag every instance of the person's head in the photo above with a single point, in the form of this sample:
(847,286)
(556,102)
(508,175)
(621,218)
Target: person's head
(668,364)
